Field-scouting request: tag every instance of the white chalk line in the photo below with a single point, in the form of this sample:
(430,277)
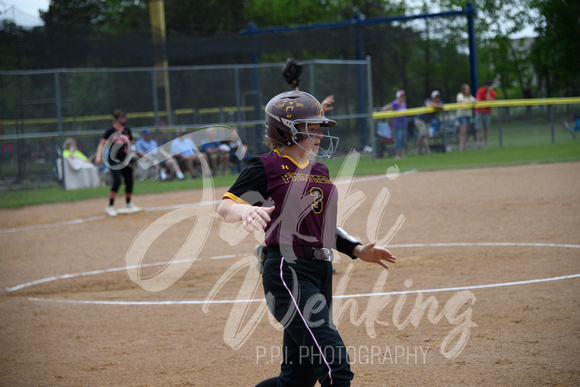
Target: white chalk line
(98,217)
(41,226)
(97,272)
(195,302)
(112,270)
(564,245)
(168,208)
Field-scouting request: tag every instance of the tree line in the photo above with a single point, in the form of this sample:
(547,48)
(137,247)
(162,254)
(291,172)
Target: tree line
(419,55)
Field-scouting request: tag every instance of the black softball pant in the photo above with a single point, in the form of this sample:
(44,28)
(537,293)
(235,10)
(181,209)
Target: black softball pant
(299,295)
(127,174)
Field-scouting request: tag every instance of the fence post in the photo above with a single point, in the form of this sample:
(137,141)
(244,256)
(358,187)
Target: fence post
(312,83)
(257,102)
(155,101)
(238,98)
(499,126)
(59,125)
(552,123)
(362,98)
(471,14)
(371,121)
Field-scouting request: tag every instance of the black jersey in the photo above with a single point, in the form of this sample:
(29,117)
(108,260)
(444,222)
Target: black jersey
(304,197)
(120,143)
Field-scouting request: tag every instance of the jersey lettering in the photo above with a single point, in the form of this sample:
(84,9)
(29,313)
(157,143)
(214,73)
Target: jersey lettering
(287,177)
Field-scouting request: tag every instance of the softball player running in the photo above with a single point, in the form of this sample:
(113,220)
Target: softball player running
(290,195)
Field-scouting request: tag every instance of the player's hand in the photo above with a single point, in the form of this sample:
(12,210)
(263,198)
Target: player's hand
(98,161)
(326,103)
(256,218)
(376,254)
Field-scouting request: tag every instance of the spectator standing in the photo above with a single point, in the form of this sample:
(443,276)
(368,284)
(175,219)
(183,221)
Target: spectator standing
(184,151)
(399,123)
(118,140)
(483,114)
(148,149)
(423,121)
(464,115)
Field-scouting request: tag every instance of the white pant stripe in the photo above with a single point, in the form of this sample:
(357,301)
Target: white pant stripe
(304,320)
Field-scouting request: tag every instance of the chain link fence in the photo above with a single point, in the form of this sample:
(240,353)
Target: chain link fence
(514,123)
(39,110)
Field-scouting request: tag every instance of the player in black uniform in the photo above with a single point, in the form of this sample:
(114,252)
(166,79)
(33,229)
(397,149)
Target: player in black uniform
(118,140)
(290,195)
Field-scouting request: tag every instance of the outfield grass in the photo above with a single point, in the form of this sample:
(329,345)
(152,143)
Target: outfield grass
(564,151)
(492,157)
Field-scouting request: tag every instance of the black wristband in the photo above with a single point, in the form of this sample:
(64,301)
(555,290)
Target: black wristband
(345,243)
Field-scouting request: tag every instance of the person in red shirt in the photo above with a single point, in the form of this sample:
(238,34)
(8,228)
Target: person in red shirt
(483,114)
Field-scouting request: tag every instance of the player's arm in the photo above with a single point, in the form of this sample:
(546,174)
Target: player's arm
(347,244)
(140,149)
(374,254)
(100,148)
(387,107)
(438,106)
(327,102)
(249,188)
(132,139)
(253,217)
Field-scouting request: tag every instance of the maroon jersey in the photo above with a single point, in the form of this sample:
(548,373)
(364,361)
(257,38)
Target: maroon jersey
(304,197)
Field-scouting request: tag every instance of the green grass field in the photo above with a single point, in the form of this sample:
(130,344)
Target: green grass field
(491,157)
(523,143)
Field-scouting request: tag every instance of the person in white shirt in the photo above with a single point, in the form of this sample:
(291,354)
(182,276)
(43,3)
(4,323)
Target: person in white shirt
(464,115)
(148,149)
(185,152)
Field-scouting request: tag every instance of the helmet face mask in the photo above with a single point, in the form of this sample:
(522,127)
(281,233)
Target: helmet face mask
(288,109)
(327,144)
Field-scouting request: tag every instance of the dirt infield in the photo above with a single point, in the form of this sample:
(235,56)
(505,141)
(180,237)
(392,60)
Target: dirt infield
(71,315)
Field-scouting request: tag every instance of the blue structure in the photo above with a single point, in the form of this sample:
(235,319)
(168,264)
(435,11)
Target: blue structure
(359,21)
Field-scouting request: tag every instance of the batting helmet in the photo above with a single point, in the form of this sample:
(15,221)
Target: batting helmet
(286,110)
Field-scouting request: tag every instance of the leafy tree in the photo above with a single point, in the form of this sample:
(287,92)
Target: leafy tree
(196,18)
(73,14)
(556,55)
(14,51)
(125,17)
(266,13)
(500,57)
(420,55)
